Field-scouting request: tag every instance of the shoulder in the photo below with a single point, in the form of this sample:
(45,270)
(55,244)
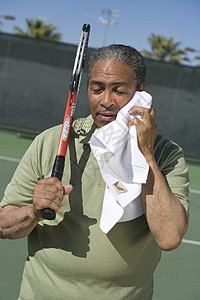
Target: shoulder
(44,144)
(49,134)
(165,150)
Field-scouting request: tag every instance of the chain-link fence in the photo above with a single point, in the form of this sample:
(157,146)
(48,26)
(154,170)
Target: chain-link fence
(35,77)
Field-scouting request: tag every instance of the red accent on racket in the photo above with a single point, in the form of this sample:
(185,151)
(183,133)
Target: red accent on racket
(73,94)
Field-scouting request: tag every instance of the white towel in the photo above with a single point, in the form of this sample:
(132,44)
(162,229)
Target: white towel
(122,165)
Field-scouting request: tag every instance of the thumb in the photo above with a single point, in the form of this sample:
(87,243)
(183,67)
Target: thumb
(67,189)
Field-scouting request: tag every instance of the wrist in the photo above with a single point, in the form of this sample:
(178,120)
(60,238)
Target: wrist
(33,216)
(150,158)
(153,166)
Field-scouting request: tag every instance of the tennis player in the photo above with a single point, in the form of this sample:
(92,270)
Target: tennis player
(71,257)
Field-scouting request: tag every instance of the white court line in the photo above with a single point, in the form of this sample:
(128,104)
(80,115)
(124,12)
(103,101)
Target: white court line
(9,158)
(191,242)
(195,192)
(191,191)
(17,160)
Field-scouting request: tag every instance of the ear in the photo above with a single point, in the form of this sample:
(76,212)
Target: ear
(142,87)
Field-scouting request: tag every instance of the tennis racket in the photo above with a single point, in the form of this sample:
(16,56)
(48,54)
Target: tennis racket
(59,163)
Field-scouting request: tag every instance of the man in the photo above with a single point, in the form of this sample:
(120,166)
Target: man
(70,257)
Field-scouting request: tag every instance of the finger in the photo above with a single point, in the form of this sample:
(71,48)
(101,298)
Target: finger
(48,192)
(50,181)
(143,112)
(135,121)
(55,181)
(67,189)
(46,199)
(152,112)
(51,193)
(51,184)
(138,110)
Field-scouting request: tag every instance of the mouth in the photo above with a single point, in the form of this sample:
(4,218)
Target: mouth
(107,116)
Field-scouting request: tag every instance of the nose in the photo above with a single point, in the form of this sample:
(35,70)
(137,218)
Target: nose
(107,100)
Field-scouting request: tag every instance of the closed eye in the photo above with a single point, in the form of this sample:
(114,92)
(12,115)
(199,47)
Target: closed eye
(119,91)
(97,90)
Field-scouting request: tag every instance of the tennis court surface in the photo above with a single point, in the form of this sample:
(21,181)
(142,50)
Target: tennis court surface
(178,274)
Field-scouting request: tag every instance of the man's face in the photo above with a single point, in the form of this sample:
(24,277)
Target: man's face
(111,87)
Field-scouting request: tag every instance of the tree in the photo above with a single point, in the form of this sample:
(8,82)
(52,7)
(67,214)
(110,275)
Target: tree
(197,58)
(40,30)
(194,58)
(165,49)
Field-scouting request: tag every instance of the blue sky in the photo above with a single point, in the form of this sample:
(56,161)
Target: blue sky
(137,20)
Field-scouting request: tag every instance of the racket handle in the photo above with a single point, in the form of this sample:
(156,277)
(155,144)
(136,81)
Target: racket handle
(58,167)
(48,214)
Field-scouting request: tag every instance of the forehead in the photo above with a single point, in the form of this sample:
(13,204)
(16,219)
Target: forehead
(111,70)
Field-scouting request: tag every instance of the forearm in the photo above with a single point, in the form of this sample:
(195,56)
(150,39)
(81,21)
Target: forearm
(16,222)
(166,217)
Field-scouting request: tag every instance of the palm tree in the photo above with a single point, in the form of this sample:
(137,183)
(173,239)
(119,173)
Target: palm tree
(164,49)
(40,30)
(195,58)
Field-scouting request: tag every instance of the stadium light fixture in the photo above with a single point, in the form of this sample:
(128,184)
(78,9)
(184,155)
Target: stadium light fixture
(109,17)
(7,18)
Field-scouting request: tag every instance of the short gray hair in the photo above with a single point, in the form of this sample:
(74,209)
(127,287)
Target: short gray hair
(124,54)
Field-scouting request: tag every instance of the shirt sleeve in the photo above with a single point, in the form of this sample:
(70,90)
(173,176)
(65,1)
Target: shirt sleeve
(171,161)
(36,164)
(20,189)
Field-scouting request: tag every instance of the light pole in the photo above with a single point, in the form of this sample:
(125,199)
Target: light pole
(110,18)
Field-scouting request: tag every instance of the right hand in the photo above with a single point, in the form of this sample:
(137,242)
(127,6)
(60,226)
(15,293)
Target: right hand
(146,130)
(49,193)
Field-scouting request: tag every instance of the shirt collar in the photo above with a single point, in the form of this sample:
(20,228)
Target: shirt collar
(84,127)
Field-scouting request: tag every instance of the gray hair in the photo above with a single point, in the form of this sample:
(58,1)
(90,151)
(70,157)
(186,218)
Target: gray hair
(124,54)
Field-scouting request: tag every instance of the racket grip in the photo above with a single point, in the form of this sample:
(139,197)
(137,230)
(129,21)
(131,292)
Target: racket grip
(58,167)
(48,214)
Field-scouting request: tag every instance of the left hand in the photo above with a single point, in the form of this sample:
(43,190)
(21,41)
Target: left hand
(146,130)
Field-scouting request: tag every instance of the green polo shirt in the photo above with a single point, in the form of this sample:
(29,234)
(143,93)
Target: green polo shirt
(70,257)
